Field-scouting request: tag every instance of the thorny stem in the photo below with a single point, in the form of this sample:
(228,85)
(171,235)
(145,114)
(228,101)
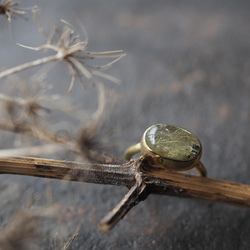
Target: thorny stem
(142,179)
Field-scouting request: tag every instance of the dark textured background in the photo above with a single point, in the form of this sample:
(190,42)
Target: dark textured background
(187,64)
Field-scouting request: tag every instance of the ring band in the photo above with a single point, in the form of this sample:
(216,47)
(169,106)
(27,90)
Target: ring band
(171,147)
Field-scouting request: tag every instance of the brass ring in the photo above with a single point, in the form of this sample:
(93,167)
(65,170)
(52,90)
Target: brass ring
(171,147)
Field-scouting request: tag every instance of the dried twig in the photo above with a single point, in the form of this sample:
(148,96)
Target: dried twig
(138,175)
(71,239)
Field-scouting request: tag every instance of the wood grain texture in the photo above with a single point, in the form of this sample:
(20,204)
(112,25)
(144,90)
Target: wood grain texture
(71,171)
(185,185)
(158,181)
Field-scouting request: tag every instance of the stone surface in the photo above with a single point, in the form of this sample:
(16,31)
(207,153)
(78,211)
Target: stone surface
(172,142)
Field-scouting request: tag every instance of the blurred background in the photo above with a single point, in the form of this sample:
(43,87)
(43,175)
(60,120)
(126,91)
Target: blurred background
(187,64)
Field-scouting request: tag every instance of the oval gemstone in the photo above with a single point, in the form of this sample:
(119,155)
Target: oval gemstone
(172,142)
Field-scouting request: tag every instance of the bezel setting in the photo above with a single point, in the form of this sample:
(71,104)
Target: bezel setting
(171,147)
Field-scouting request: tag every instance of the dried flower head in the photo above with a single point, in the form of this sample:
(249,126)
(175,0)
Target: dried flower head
(8,9)
(89,141)
(24,107)
(72,50)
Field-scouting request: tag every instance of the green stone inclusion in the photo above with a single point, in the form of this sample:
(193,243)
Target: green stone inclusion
(172,142)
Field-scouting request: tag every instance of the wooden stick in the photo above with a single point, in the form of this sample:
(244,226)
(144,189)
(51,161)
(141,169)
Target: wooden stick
(121,175)
(158,181)
(186,185)
(114,216)
(141,179)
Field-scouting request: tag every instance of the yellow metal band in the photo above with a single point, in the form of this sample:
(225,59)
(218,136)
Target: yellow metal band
(132,150)
(201,169)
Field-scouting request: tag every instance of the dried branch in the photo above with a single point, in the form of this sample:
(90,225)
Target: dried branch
(138,175)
